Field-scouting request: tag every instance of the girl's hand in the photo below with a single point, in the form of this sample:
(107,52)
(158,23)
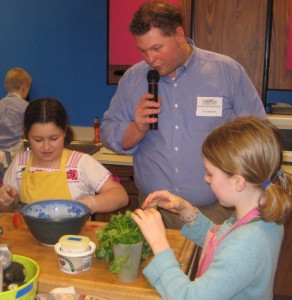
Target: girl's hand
(8,195)
(168,201)
(152,227)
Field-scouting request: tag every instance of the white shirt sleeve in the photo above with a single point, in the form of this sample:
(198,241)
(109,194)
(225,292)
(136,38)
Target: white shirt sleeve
(90,177)
(13,174)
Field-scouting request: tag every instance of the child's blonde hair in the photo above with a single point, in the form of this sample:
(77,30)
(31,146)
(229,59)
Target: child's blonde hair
(253,148)
(16,78)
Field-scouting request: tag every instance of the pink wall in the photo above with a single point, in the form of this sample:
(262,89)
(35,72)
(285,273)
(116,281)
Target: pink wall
(122,48)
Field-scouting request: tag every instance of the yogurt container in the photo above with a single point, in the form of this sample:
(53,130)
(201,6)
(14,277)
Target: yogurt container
(74,253)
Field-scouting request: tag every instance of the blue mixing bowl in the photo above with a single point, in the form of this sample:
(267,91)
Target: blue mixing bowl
(48,220)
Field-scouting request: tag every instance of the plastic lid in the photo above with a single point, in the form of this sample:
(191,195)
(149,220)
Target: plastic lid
(74,243)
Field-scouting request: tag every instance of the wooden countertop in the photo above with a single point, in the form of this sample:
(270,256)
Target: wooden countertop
(125,160)
(113,159)
(281,121)
(287,168)
(98,281)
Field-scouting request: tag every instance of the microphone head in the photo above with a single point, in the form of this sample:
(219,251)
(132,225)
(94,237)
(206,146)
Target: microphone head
(153,76)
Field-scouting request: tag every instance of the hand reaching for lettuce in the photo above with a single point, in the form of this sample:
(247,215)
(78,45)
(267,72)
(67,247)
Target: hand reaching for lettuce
(151,224)
(168,201)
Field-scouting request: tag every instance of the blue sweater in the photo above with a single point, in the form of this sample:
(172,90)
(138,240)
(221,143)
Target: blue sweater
(243,268)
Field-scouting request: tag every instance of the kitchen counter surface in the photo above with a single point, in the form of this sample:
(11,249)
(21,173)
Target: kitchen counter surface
(287,168)
(113,159)
(86,135)
(124,160)
(281,121)
(98,281)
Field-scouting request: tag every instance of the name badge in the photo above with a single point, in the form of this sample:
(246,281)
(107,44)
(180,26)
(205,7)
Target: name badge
(209,106)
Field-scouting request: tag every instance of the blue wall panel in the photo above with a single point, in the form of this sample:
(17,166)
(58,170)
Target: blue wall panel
(278,96)
(63,45)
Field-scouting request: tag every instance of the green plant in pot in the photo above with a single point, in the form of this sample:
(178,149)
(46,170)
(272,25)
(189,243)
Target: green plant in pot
(115,245)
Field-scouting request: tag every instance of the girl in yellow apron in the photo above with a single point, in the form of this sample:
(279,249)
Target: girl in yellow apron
(40,185)
(51,172)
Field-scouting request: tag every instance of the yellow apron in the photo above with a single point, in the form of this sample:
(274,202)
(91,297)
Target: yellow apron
(42,185)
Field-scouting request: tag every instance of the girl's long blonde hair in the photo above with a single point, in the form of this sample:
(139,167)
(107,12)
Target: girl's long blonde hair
(253,148)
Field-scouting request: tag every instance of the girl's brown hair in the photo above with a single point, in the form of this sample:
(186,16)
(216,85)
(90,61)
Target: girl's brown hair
(46,110)
(253,148)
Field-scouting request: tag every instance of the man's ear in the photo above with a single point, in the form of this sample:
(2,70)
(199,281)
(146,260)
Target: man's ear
(240,183)
(180,33)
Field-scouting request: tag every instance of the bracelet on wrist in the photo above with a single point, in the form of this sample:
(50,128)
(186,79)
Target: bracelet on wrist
(191,218)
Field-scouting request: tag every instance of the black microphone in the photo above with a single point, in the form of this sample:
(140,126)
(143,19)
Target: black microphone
(153,78)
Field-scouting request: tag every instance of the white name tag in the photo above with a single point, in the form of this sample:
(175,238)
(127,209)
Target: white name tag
(209,106)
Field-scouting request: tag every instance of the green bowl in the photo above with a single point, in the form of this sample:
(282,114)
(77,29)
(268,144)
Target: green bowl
(28,290)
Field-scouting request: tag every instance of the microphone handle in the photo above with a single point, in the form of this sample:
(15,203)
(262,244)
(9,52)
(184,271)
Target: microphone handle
(154,126)
(153,89)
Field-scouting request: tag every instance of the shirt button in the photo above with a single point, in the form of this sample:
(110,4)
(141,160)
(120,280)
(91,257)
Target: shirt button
(176,189)
(175,85)
(176,127)
(176,148)
(176,105)
(176,170)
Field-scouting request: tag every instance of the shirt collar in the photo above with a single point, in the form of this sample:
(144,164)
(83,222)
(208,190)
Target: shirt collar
(15,94)
(190,59)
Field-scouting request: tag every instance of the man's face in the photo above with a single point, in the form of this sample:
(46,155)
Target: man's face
(162,53)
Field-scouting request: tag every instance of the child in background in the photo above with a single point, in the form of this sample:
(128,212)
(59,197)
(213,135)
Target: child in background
(50,171)
(243,168)
(12,108)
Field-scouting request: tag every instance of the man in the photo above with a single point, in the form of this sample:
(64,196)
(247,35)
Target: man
(198,91)
(12,108)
